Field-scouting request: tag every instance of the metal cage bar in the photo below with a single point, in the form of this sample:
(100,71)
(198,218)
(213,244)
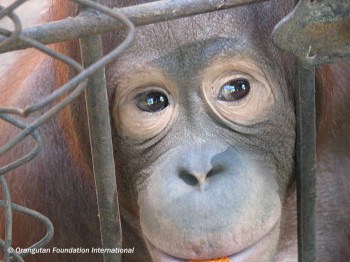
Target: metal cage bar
(316,33)
(101,139)
(83,26)
(101,148)
(306,162)
(143,14)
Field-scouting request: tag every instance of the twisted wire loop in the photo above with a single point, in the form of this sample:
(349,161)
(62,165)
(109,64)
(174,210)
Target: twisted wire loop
(72,89)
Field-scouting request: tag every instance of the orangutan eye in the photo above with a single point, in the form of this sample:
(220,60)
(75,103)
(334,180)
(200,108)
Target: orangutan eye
(153,101)
(234,90)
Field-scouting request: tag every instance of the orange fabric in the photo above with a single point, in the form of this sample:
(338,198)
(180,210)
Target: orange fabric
(223,259)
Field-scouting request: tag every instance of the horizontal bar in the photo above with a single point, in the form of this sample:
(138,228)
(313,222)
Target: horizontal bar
(144,14)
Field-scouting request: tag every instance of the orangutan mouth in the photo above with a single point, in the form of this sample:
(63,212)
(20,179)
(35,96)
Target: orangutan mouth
(249,253)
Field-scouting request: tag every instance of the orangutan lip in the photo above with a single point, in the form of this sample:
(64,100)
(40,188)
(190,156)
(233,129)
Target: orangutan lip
(239,256)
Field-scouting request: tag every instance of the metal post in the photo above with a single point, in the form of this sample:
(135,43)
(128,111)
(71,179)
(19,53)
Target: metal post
(101,149)
(8,219)
(306,162)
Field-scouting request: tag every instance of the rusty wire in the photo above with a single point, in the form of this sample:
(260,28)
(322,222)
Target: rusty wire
(35,151)
(73,88)
(17,23)
(6,245)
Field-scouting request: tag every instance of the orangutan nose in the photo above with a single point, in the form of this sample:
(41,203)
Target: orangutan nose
(195,178)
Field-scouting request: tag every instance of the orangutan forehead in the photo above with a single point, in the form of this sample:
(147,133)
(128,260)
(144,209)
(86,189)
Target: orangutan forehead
(194,31)
(197,39)
(265,14)
(252,22)
(280,4)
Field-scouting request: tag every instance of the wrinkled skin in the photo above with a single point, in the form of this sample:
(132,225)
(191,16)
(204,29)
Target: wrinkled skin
(239,172)
(202,175)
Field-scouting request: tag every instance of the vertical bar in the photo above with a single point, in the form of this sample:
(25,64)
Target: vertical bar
(306,162)
(8,219)
(101,149)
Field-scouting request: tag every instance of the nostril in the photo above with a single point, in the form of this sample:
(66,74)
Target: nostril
(193,179)
(188,178)
(215,171)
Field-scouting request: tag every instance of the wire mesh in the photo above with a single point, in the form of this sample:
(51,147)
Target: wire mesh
(74,88)
(73,28)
